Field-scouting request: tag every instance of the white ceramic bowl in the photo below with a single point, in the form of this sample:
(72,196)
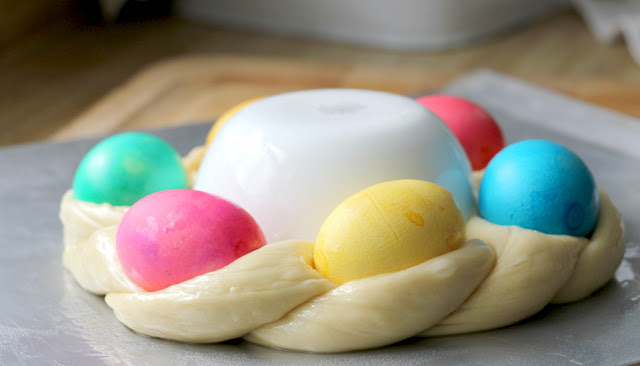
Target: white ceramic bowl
(291,159)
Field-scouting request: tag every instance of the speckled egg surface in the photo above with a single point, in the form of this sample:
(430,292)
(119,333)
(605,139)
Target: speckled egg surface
(386,228)
(539,185)
(123,168)
(171,236)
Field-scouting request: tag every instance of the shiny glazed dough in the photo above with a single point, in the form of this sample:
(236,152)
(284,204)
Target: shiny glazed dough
(534,269)
(89,232)
(273,296)
(599,259)
(383,309)
(257,288)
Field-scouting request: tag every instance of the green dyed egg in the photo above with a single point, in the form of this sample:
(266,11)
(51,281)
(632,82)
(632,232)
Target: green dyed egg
(123,168)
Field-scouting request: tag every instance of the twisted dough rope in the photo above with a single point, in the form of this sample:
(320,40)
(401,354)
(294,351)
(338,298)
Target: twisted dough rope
(274,297)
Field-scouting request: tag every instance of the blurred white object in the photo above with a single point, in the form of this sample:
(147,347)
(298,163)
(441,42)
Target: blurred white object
(398,24)
(610,19)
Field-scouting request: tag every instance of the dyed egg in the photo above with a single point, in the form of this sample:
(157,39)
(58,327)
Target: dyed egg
(539,185)
(290,159)
(386,228)
(474,127)
(171,236)
(126,167)
(225,117)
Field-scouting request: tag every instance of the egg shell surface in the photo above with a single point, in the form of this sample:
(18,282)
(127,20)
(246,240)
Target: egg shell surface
(386,228)
(123,168)
(290,159)
(539,185)
(171,236)
(475,128)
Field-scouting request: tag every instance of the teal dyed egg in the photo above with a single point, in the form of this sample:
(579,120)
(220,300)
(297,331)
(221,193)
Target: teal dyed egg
(123,168)
(539,185)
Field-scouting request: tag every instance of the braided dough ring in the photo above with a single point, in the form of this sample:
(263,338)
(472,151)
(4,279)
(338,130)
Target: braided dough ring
(534,269)
(274,297)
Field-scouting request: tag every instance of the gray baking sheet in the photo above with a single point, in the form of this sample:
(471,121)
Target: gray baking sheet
(47,319)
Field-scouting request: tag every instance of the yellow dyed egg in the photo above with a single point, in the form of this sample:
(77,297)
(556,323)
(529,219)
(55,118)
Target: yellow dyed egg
(225,117)
(388,227)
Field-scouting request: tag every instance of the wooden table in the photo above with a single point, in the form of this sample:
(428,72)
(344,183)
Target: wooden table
(172,72)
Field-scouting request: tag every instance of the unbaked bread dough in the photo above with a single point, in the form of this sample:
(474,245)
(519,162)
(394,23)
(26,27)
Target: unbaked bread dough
(273,296)
(89,232)
(383,309)
(258,288)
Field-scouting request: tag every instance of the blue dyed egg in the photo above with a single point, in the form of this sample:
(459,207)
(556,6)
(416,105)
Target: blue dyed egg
(539,185)
(126,167)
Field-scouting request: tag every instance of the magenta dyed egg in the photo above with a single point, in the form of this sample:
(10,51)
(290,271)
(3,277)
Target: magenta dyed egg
(475,128)
(171,236)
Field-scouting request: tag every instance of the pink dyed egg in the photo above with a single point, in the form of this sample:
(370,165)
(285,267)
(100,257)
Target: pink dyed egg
(171,236)
(477,131)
